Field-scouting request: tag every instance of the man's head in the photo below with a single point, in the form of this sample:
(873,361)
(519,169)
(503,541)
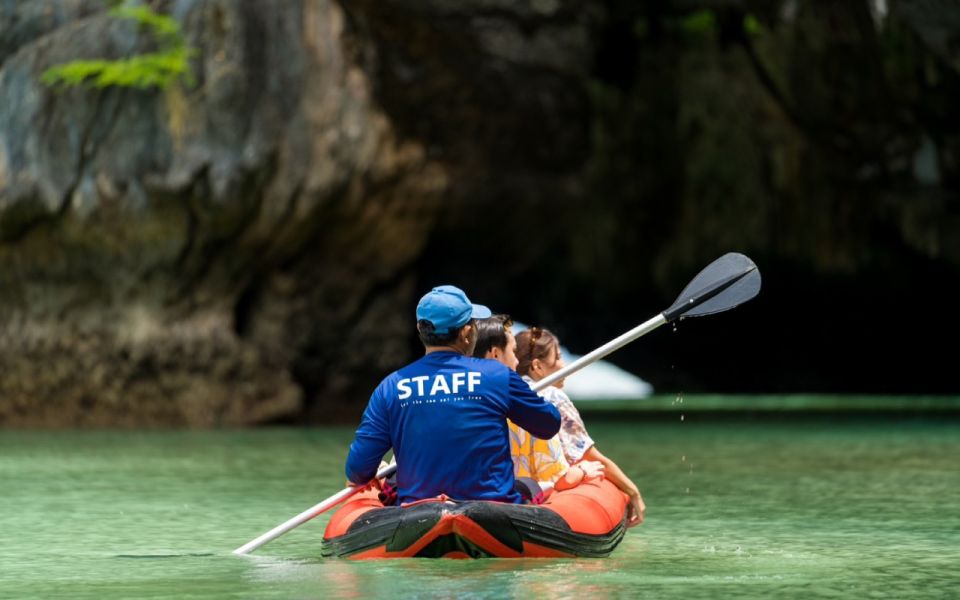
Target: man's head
(445,318)
(496,341)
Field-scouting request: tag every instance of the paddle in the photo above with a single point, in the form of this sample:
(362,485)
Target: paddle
(310,513)
(725,283)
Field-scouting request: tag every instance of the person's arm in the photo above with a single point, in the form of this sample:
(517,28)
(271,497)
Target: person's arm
(573,433)
(582,471)
(529,410)
(371,442)
(570,479)
(636,506)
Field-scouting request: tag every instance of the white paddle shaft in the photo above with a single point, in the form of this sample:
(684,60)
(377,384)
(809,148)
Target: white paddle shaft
(309,513)
(614,344)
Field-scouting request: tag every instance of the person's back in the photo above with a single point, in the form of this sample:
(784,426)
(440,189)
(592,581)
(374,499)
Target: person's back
(445,417)
(448,427)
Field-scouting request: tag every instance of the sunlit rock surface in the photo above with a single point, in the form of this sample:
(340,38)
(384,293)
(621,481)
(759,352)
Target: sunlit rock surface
(166,257)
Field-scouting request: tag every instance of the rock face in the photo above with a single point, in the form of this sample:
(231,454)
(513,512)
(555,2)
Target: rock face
(248,246)
(167,256)
(818,137)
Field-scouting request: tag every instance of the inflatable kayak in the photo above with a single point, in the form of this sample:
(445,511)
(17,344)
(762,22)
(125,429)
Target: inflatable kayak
(588,520)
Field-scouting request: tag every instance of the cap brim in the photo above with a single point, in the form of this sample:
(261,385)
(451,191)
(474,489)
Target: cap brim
(480,312)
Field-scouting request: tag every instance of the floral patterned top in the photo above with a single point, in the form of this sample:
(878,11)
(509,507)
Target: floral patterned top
(573,435)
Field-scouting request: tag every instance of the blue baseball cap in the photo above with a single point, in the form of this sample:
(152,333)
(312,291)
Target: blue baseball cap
(447,307)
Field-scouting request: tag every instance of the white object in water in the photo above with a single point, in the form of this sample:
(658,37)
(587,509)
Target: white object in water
(599,381)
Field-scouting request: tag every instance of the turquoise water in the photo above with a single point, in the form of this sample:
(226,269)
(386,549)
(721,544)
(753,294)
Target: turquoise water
(800,508)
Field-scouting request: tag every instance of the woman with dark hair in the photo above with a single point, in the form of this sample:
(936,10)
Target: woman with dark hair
(538,355)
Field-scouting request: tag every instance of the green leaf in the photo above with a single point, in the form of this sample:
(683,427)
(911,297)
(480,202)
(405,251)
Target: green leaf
(142,71)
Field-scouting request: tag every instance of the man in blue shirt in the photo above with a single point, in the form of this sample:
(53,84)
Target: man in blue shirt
(445,415)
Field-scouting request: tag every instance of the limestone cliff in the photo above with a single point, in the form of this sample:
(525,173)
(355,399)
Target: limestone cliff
(247,246)
(165,255)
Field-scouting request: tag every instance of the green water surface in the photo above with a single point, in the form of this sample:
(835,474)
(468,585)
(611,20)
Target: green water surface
(799,507)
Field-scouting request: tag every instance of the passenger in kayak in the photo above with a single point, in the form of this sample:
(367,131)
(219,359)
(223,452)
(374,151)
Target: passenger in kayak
(533,458)
(445,415)
(538,355)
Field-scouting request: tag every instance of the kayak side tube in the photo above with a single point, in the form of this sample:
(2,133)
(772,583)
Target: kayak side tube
(587,521)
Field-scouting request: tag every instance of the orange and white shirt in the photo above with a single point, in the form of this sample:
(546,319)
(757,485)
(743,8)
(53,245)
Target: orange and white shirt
(541,460)
(547,460)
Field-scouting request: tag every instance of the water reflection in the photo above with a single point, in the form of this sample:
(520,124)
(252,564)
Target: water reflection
(489,578)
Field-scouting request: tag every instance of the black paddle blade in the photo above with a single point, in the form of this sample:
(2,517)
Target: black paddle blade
(728,281)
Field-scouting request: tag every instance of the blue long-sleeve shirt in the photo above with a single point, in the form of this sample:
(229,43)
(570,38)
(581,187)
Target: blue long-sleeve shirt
(445,416)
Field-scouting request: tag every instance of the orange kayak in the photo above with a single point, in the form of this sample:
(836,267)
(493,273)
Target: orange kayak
(588,520)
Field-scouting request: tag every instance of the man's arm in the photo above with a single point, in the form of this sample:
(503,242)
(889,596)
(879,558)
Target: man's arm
(371,442)
(530,411)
